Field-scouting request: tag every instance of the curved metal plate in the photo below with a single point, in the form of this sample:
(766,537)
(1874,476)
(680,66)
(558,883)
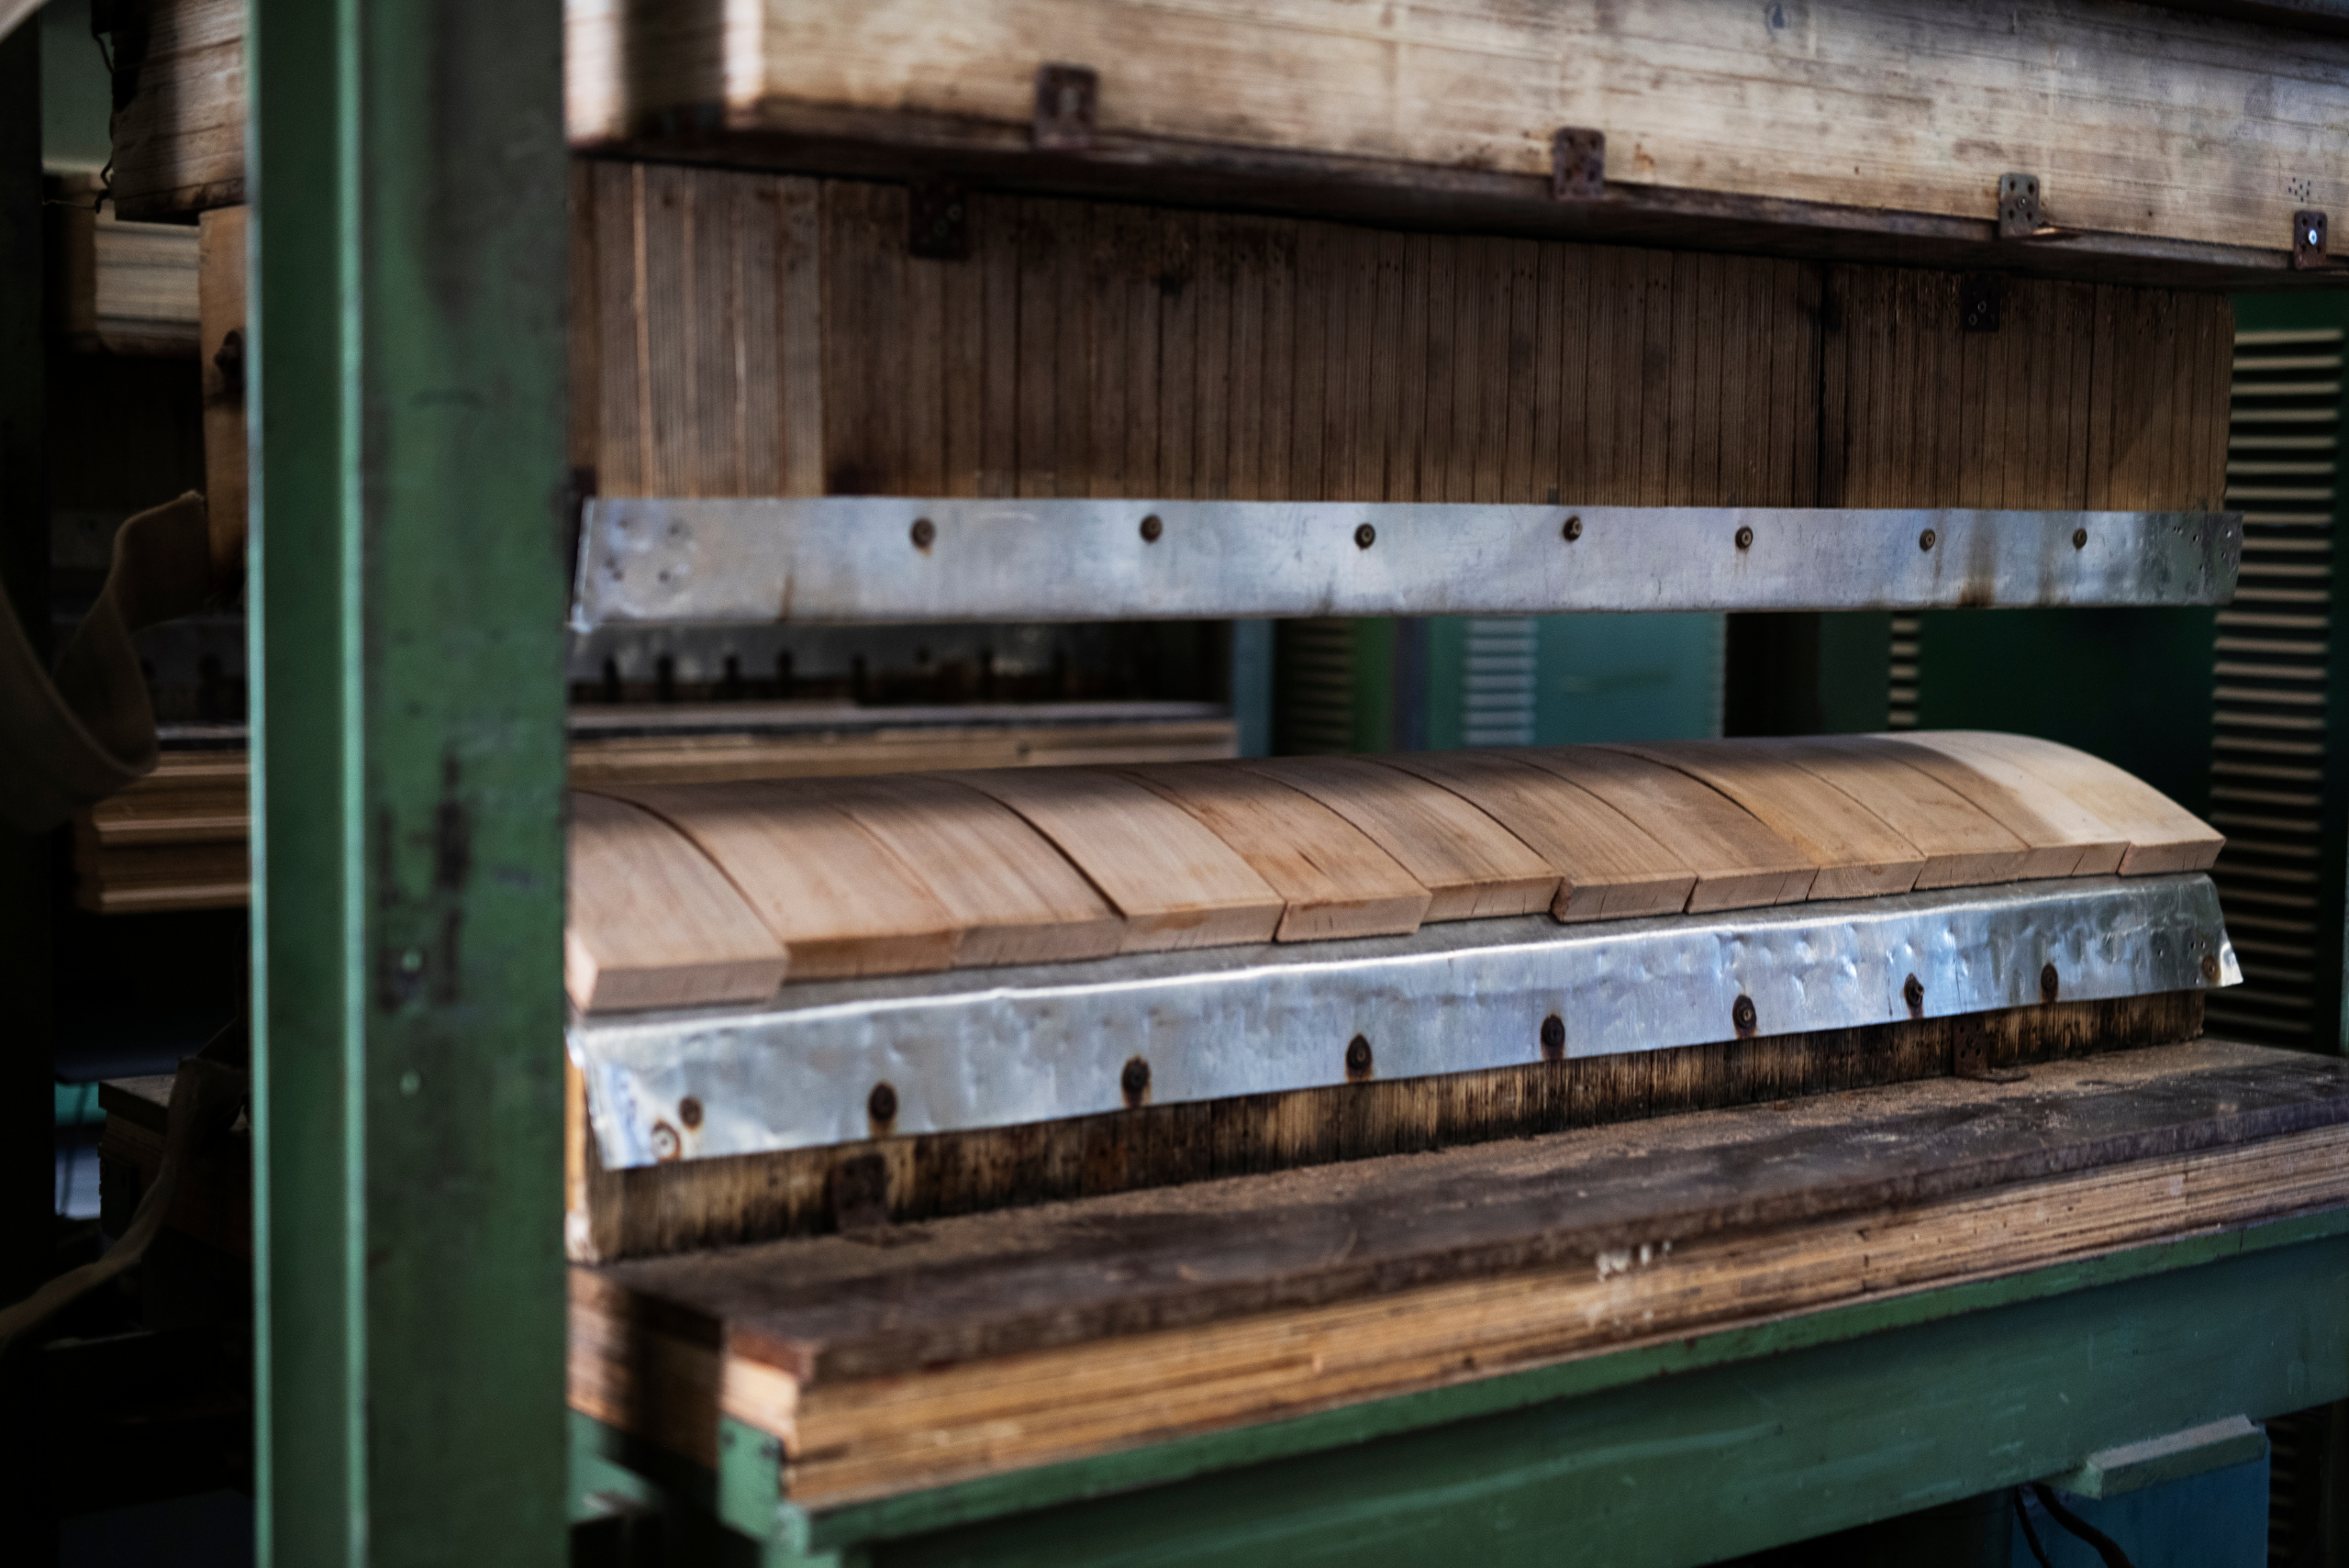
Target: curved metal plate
(995,1048)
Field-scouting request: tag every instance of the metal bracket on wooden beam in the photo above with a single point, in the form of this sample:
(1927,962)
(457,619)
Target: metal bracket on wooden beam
(938,220)
(1578,164)
(1067,101)
(2021,216)
(2310,232)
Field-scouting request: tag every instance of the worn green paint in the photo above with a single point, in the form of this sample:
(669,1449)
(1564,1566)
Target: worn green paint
(408,176)
(1739,1456)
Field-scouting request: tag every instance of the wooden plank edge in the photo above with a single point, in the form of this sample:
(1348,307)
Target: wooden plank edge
(860,1443)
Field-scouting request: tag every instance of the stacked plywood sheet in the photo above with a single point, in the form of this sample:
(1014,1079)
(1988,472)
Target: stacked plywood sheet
(689,894)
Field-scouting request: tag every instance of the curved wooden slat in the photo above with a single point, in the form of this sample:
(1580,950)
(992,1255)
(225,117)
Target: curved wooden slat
(651,922)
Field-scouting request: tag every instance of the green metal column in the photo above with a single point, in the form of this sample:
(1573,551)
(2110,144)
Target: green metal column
(407,168)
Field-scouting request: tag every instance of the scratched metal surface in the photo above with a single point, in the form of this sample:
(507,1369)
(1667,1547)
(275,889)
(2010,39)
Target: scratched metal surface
(854,558)
(994,1048)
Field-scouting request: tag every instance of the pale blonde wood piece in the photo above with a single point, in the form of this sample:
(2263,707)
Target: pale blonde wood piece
(651,922)
(2051,822)
(831,893)
(1608,866)
(1178,884)
(1859,855)
(1471,866)
(220,308)
(1017,897)
(2159,122)
(1739,863)
(1963,846)
(1334,880)
(2163,836)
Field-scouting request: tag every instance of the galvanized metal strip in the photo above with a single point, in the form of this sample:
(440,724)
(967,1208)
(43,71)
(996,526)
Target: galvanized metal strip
(856,557)
(1001,1047)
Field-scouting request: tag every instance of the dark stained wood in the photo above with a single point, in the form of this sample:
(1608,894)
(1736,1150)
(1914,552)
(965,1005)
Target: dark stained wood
(833,1308)
(710,1203)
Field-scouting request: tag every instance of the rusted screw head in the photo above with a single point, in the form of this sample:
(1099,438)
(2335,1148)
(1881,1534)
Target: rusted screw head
(882,1103)
(1554,1038)
(1573,529)
(2048,981)
(1150,529)
(2210,969)
(925,533)
(666,1144)
(1927,539)
(2080,539)
(1742,1015)
(1913,992)
(689,1111)
(1358,1057)
(1135,1079)
(1745,538)
(1365,535)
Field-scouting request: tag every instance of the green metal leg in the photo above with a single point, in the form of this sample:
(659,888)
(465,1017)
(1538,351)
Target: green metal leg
(408,175)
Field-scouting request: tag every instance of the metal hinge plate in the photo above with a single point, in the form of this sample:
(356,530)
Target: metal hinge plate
(2019,214)
(1578,164)
(1066,100)
(2310,231)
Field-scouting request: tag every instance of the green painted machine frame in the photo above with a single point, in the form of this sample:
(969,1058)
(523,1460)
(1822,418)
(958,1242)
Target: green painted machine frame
(407,182)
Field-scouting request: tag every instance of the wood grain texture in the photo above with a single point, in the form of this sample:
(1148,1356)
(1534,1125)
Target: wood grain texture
(657,1210)
(1962,845)
(1859,855)
(1177,884)
(652,922)
(220,311)
(2163,836)
(1016,898)
(1087,347)
(833,893)
(1608,867)
(2062,840)
(990,1343)
(1334,879)
(1471,866)
(1739,863)
(2161,123)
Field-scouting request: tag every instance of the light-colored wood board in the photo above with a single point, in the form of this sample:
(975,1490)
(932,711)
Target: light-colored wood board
(2162,122)
(651,922)
(1859,855)
(1333,878)
(1471,866)
(1963,845)
(2065,839)
(1017,897)
(220,308)
(831,893)
(1608,866)
(1178,884)
(1739,863)
(2163,836)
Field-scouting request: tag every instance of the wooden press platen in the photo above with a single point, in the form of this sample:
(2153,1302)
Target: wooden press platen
(689,894)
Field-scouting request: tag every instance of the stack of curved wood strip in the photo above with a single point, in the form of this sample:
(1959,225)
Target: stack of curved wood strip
(689,894)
